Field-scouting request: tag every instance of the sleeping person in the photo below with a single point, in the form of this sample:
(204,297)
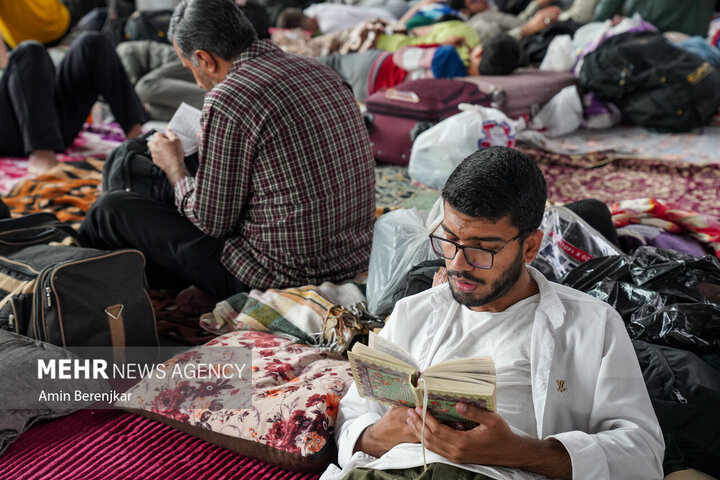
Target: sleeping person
(43,107)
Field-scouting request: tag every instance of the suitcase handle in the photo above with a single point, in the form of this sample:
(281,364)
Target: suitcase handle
(401,95)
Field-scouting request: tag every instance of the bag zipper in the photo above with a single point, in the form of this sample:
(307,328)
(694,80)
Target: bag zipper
(436,114)
(38,307)
(14,317)
(678,396)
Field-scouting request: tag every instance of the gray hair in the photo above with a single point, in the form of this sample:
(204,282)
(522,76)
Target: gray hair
(216,26)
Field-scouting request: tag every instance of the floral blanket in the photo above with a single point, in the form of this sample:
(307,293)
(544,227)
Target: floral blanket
(296,390)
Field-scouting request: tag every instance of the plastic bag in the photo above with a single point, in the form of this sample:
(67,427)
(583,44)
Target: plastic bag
(568,241)
(400,241)
(664,297)
(563,114)
(440,149)
(560,56)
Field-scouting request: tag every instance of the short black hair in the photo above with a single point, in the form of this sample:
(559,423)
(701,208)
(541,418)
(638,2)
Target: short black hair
(216,26)
(501,55)
(456,4)
(290,18)
(496,182)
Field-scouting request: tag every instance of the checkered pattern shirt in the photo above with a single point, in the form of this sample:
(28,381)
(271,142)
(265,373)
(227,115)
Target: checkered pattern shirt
(286,173)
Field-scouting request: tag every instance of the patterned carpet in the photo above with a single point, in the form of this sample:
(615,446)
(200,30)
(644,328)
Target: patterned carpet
(694,187)
(394,189)
(114,445)
(575,177)
(699,147)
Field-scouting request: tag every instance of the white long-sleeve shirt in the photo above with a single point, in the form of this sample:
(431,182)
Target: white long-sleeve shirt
(587,387)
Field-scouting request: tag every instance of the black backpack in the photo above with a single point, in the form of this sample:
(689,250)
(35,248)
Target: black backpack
(152,25)
(685,394)
(130,167)
(655,84)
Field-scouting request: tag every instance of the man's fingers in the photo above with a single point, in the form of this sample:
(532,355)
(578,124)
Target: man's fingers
(439,438)
(474,413)
(171,135)
(432,426)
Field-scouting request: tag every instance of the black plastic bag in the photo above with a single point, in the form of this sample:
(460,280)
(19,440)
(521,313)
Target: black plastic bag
(664,297)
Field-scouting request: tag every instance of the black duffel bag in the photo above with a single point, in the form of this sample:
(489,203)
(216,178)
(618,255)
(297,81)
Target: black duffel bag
(77,297)
(130,167)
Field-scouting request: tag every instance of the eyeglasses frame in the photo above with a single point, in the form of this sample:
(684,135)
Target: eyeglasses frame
(463,247)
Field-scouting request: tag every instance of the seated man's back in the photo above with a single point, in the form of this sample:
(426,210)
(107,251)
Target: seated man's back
(306,186)
(284,191)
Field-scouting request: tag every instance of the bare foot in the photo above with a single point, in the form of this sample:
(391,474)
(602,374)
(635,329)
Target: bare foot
(135,131)
(3,55)
(41,161)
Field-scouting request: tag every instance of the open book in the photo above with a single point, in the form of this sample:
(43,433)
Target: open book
(387,373)
(185,123)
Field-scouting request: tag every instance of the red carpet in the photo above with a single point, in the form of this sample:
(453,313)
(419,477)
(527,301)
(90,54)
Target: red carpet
(114,445)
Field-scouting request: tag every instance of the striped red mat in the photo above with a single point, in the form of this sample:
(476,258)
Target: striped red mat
(114,445)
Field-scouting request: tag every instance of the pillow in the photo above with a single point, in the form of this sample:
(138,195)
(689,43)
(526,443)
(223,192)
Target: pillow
(24,398)
(295,394)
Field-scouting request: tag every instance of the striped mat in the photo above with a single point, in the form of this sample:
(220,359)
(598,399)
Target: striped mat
(114,445)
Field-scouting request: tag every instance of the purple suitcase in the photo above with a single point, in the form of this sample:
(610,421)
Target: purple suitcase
(397,113)
(523,92)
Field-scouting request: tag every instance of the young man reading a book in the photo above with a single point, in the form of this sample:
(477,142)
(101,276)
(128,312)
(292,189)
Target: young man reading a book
(570,398)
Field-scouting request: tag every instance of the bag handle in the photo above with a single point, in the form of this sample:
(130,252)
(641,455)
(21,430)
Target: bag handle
(402,95)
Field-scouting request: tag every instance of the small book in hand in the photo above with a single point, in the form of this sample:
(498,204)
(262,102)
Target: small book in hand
(185,123)
(388,374)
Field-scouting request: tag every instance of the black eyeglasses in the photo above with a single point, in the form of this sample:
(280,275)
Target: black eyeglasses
(475,256)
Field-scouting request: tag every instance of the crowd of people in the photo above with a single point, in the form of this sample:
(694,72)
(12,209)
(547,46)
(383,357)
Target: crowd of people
(284,195)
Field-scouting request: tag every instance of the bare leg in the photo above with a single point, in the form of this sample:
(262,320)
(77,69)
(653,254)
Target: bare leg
(135,131)
(3,55)
(40,161)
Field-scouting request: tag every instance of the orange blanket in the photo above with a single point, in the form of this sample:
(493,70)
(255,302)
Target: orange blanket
(67,190)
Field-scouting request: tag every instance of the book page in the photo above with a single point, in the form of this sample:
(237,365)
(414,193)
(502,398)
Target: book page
(479,378)
(376,342)
(185,123)
(483,365)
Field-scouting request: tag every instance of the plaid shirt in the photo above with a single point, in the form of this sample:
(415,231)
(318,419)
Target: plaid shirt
(286,173)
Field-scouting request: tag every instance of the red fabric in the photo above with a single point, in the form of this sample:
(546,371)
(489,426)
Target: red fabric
(388,75)
(110,444)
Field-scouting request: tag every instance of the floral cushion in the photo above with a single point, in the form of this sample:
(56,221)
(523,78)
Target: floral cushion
(295,394)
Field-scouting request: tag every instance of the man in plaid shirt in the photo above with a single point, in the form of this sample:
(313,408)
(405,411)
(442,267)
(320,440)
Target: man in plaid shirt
(284,192)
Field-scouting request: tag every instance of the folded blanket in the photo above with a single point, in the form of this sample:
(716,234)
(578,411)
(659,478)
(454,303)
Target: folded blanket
(326,316)
(359,38)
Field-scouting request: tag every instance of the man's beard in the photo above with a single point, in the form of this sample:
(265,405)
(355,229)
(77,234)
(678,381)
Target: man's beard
(207,83)
(500,287)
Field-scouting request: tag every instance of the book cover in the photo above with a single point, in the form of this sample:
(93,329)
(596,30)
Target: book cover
(386,373)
